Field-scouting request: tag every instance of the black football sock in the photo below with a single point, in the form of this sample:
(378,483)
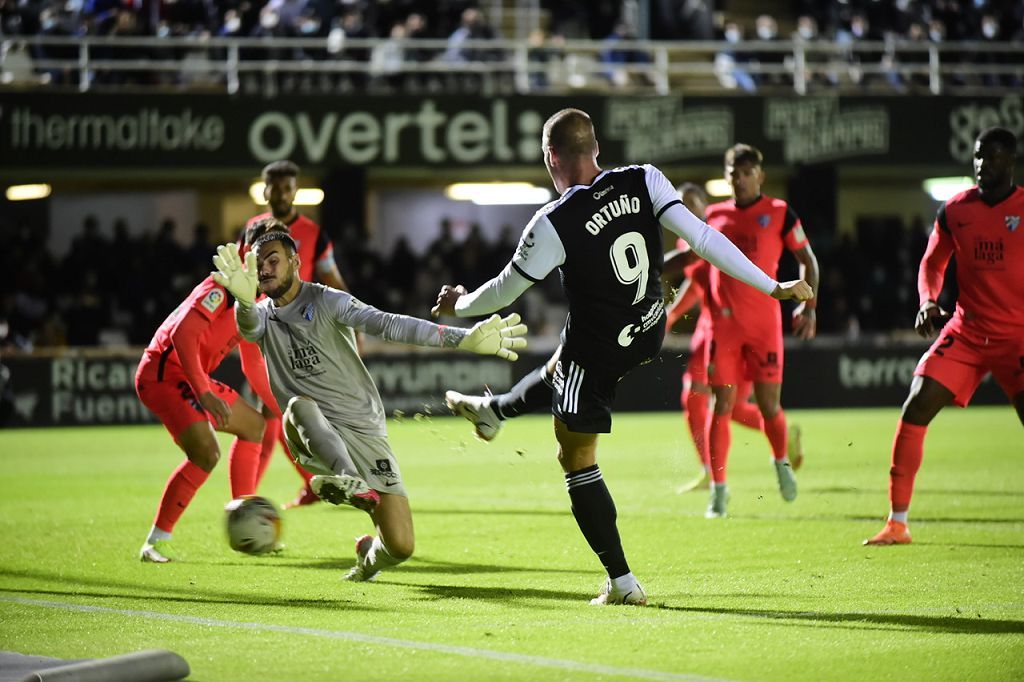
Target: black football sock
(531,394)
(594,509)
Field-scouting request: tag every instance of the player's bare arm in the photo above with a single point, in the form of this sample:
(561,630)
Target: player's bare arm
(446,300)
(805,321)
(687,297)
(676,261)
(331,276)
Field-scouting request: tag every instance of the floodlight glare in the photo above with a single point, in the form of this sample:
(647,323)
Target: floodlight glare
(498,193)
(304,196)
(942,189)
(28,192)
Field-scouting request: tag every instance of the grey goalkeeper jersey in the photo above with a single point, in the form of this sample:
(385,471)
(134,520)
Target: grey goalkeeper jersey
(310,349)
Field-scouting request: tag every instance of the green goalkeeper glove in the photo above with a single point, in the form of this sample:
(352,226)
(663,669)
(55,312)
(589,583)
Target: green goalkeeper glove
(496,336)
(238,279)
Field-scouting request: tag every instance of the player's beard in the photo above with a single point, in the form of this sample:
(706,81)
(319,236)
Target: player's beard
(280,210)
(279,291)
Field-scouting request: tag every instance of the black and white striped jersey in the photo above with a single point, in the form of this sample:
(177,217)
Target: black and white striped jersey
(606,240)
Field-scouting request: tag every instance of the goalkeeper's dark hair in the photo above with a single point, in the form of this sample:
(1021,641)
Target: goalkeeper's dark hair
(280,169)
(283,237)
(1000,136)
(743,153)
(260,228)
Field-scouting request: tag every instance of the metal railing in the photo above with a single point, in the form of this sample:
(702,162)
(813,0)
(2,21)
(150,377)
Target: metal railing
(226,64)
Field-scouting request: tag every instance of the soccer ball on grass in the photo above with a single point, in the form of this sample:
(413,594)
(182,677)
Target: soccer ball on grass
(253,524)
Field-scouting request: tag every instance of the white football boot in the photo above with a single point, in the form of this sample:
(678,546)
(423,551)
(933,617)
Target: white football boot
(610,595)
(717,502)
(345,489)
(360,572)
(787,479)
(477,409)
(158,552)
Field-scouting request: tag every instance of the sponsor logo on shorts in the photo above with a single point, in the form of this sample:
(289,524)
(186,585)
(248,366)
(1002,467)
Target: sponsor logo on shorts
(382,469)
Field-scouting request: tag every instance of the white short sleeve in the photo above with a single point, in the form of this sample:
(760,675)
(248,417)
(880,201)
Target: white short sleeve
(663,194)
(540,250)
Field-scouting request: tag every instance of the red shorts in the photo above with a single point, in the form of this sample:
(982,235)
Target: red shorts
(959,360)
(697,365)
(736,354)
(174,403)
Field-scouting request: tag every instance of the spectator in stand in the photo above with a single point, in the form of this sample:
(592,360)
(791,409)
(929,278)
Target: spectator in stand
(618,59)
(989,32)
(387,58)
(767,30)
(729,64)
(473,26)
(916,37)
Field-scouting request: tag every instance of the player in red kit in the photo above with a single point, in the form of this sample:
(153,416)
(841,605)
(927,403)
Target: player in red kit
(746,329)
(173,381)
(316,258)
(982,228)
(696,393)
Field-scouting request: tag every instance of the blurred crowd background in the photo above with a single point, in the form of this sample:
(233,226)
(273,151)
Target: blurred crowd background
(115,290)
(402,25)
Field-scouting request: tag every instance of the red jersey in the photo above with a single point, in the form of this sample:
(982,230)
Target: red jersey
(316,251)
(211,301)
(699,274)
(989,245)
(760,231)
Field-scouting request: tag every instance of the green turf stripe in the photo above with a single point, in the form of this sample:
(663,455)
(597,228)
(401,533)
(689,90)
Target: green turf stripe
(469,652)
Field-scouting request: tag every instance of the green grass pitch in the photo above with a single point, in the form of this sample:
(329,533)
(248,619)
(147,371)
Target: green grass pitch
(499,585)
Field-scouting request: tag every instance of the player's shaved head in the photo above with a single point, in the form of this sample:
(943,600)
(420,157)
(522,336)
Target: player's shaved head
(1000,136)
(570,133)
(743,153)
(995,155)
(280,169)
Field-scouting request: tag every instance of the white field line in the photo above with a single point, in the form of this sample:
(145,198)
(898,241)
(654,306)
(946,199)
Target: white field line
(468,652)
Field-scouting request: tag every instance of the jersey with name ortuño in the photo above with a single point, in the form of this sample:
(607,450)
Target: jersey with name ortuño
(989,245)
(310,349)
(210,300)
(760,230)
(316,251)
(606,239)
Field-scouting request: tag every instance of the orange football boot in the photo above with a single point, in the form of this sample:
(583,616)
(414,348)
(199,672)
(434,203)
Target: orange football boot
(894,533)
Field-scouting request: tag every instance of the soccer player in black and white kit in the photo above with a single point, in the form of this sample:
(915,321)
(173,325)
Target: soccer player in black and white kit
(605,235)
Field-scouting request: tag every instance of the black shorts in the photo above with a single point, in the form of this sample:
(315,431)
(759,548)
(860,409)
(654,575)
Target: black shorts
(582,396)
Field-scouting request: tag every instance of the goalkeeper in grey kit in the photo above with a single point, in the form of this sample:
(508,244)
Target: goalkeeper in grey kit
(334,418)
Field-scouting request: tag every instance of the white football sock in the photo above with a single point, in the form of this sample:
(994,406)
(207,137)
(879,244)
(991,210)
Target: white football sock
(899,516)
(379,558)
(156,535)
(624,583)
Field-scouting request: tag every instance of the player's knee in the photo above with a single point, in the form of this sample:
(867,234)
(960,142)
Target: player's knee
(401,548)
(299,409)
(916,410)
(253,432)
(205,458)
